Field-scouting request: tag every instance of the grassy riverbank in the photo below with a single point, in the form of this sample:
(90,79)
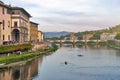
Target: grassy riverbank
(26,55)
(112,44)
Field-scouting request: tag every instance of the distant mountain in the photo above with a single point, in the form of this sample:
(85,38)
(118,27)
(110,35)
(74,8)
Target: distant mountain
(55,34)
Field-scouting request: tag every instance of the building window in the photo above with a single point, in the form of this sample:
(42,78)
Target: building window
(15,24)
(8,23)
(3,37)
(8,37)
(13,12)
(3,22)
(3,10)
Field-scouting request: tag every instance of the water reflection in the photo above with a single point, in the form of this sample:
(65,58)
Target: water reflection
(118,53)
(16,74)
(80,46)
(21,72)
(83,63)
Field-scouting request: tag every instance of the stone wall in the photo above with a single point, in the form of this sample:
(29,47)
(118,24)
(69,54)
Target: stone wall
(38,46)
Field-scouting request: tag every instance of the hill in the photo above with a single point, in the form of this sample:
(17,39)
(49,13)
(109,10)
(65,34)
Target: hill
(55,34)
(96,33)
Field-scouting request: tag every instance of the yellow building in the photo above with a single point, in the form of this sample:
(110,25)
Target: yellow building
(33,32)
(40,36)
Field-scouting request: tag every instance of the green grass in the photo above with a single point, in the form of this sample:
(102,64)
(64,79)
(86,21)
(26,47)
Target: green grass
(16,58)
(25,56)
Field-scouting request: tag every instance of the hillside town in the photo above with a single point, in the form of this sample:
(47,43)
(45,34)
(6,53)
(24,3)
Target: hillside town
(16,27)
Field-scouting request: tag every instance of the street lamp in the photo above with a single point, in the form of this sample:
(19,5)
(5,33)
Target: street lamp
(0,34)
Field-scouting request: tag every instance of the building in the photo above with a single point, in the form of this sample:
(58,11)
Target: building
(20,25)
(5,20)
(15,25)
(40,36)
(66,38)
(107,36)
(72,36)
(33,32)
(87,36)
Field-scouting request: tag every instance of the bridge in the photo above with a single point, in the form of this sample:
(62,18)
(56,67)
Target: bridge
(77,41)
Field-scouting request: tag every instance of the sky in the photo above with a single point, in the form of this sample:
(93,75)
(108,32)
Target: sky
(71,15)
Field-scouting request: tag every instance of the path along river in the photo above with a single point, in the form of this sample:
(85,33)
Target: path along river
(91,63)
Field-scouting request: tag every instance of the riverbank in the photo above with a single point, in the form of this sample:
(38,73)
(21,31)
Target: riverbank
(26,56)
(113,44)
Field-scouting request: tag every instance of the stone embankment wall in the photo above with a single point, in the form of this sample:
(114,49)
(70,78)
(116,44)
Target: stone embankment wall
(38,46)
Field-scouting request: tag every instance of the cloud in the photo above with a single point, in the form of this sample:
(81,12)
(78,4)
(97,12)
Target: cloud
(72,15)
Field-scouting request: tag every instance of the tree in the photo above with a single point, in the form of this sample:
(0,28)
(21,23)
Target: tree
(61,37)
(117,36)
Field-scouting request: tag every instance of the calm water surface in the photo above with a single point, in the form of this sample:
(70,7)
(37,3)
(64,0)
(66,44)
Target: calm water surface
(95,64)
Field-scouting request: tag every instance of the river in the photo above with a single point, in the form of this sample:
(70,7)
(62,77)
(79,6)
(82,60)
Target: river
(90,63)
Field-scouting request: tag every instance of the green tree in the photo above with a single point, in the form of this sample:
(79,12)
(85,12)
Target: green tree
(117,36)
(61,37)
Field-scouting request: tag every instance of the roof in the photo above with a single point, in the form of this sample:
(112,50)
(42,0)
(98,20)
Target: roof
(4,5)
(34,23)
(14,8)
(19,8)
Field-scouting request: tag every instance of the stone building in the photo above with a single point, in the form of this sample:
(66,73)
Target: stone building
(40,36)
(72,36)
(20,24)
(5,20)
(107,36)
(33,31)
(15,25)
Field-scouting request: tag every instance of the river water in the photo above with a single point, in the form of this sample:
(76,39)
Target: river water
(90,63)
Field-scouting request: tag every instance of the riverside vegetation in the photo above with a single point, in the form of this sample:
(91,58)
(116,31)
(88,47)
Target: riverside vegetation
(12,48)
(113,44)
(25,55)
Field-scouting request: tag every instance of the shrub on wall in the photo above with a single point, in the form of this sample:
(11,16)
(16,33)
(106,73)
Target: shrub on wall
(12,48)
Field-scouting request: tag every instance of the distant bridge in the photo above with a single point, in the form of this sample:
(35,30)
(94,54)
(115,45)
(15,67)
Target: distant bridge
(76,41)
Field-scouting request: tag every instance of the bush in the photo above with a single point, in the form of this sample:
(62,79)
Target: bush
(12,48)
(117,36)
(55,47)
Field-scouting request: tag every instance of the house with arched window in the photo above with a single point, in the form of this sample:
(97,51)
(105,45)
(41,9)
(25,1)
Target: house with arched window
(20,24)
(15,25)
